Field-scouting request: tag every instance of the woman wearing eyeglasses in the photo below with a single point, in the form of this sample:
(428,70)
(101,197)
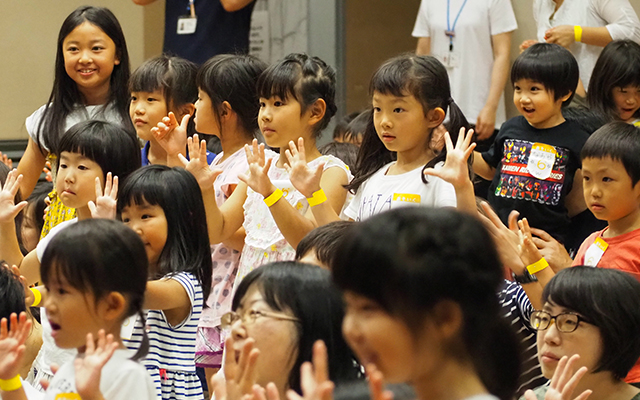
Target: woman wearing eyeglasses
(279,311)
(594,313)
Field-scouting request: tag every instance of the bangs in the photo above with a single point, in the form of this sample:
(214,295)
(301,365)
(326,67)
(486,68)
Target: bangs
(393,78)
(149,77)
(573,293)
(280,80)
(141,189)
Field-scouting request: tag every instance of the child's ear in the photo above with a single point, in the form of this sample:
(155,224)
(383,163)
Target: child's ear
(435,116)
(565,97)
(225,110)
(448,318)
(185,109)
(316,111)
(113,306)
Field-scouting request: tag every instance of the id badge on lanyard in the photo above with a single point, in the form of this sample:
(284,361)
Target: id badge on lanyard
(188,23)
(451,59)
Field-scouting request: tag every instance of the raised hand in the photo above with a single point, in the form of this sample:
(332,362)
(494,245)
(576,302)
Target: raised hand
(88,369)
(314,377)
(28,294)
(6,160)
(197,163)
(507,239)
(8,208)
(455,169)
(240,374)
(529,253)
(171,135)
(552,250)
(564,382)
(105,205)
(303,178)
(258,178)
(12,344)
(376,386)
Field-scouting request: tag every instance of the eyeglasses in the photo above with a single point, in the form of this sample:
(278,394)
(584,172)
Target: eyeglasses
(250,316)
(566,322)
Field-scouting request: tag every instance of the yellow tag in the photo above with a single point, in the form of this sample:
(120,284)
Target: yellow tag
(601,244)
(407,197)
(68,396)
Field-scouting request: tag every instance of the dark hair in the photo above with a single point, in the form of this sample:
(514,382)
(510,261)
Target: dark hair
(618,66)
(346,152)
(11,293)
(342,125)
(323,240)
(177,192)
(619,141)
(114,149)
(306,291)
(100,256)
(65,96)
(175,77)
(426,79)
(588,120)
(608,299)
(395,260)
(232,78)
(304,78)
(37,203)
(551,65)
(358,126)
(4,172)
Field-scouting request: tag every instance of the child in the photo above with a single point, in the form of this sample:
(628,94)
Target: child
(592,316)
(95,273)
(357,127)
(33,220)
(614,88)
(422,305)
(91,75)
(296,101)
(89,154)
(161,85)
(164,207)
(319,246)
(535,156)
(345,151)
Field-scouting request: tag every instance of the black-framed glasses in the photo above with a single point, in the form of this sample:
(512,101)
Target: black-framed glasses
(566,322)
(250,316)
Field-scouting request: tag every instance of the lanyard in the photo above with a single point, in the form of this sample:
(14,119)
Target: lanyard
(192,8)
(451,30)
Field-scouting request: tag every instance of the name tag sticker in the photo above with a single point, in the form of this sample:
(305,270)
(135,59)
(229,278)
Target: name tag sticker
(594,253)
(541,160)
(406,198)
(126,331)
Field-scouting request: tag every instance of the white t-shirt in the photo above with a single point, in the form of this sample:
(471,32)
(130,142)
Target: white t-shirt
(121,378)
(383,192)
(473,52)
(617,15)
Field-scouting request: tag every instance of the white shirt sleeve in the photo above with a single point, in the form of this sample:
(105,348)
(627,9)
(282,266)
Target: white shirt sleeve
(421,27)
(622,20)
(501,17)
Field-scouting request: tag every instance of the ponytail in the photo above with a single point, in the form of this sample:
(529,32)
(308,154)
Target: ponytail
(143,350)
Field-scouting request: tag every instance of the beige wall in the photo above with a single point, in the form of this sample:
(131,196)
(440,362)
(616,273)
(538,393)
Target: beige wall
(28,33)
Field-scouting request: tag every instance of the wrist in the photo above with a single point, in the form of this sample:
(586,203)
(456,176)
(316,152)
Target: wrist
(317,198)
(577,33)
(271,190)
(9,385)
(537,266)
(273,198)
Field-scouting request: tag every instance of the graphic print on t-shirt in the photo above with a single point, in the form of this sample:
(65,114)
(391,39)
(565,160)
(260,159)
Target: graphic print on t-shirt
(532,171)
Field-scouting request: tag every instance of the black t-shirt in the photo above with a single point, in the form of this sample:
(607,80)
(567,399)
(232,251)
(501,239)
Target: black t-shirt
(217,31)
(534,172)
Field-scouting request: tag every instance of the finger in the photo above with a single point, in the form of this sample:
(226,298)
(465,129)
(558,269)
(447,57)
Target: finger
(272,391)
(92,208)
(491,215)
(558,372)
(259,393)
(542,234)
(447,142)
(90,343)
(185,121)
(173,121)
(292,147)
(114,188)
(567,372)
(251,372)
(320,362)
(292,395)
(3,328)
(307,379)
(108,183)
(289,156)
(302,153)
(244,357)
(529,395)
(267,165)
(203,149)
(568,389)
(513,220)
(229,358)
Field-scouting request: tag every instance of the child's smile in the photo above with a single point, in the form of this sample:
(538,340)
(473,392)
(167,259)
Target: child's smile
(537,104)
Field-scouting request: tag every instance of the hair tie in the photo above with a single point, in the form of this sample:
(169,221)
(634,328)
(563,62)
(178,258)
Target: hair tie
(450,100)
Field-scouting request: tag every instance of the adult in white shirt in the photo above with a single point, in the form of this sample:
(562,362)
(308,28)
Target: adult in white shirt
(472,39)
(599,22)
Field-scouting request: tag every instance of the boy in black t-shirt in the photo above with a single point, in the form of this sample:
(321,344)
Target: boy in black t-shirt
(535,159)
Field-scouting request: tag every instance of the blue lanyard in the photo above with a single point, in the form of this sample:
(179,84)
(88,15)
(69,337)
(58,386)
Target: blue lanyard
(451,29)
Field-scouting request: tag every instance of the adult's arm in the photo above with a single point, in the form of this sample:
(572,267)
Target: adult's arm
(234,5)
(485,123)
(424,46)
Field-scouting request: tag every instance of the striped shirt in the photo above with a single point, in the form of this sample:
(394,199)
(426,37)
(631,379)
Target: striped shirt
(517,308)
(172,348)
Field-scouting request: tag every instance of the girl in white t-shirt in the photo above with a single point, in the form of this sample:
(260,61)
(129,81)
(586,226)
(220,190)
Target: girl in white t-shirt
(91,75)
(403,139)
(95,272)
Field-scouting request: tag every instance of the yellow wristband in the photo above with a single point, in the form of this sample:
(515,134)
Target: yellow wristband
(37,297)
(577,32)
(537,266)
(273,198)
(9,385)
(318,198)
